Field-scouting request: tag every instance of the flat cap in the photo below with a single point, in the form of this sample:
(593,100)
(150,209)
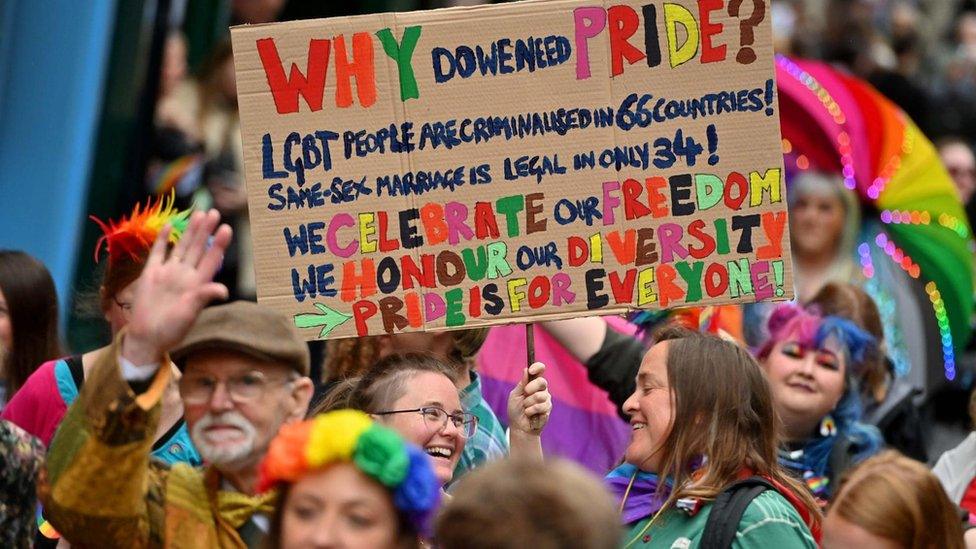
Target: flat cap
(249,328)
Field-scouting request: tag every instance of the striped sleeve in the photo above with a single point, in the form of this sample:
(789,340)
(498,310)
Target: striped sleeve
(770,521)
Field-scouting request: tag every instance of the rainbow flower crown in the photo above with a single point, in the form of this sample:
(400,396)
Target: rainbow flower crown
(131,237)
(350,436)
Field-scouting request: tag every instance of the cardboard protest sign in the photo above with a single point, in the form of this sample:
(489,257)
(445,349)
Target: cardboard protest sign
(549,159)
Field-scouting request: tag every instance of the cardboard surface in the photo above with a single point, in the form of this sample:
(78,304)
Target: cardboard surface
(510,163)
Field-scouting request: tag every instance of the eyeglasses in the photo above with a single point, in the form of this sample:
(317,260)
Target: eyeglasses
(243,388)
(435,418)
(126,307)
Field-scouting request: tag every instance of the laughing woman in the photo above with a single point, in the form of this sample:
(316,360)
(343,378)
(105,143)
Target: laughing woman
(703,421)
(416,395)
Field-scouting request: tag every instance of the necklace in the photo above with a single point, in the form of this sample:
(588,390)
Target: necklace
(645,528)
(649,523)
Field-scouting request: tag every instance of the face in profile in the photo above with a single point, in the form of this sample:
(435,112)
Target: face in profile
(338,507)
(816,224)
(806,383)
(439,438)
(650,410)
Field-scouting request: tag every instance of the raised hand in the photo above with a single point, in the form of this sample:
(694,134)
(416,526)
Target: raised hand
(171,291)
(530,403)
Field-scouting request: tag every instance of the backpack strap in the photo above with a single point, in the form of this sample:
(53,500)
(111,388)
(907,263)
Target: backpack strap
(727,510)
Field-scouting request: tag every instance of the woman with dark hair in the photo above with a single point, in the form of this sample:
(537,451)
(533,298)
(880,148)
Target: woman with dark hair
(812,362)
(347,481)
(703,420)
(28,320)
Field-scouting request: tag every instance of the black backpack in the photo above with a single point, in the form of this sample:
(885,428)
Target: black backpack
(727,510)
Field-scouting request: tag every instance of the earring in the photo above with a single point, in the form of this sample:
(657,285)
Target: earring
(827,426)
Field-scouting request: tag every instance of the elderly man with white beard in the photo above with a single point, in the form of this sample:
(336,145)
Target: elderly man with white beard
(244,375)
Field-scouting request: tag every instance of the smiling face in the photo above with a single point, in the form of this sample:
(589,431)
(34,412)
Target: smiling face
(806,383)
(338,507)
(650,409)
(444,443)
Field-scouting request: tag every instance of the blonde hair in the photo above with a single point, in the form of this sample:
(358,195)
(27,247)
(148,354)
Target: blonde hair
(813,182)
(899,499)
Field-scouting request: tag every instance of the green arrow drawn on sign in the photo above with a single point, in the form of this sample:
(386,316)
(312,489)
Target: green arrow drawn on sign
(330,319)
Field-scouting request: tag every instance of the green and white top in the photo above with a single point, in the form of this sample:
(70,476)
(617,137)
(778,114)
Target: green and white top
(770,521)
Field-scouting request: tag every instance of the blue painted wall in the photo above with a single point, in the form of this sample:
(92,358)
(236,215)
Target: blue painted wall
(53,62)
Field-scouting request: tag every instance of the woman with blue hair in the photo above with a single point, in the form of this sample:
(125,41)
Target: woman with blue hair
(811,362)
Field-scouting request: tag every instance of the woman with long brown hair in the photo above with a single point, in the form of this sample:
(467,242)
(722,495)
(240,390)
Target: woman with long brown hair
(703,419)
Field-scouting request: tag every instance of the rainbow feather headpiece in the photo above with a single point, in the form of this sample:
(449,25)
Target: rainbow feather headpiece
(132,236)
(350,436)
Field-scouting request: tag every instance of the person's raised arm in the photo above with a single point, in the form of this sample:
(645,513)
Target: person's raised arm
(99,488)
(529,406)
(611,358)
(582,337)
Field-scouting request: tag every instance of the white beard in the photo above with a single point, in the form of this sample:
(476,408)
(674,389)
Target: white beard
(219,452)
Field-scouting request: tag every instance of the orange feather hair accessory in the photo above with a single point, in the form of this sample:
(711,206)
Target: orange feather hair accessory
(132,236)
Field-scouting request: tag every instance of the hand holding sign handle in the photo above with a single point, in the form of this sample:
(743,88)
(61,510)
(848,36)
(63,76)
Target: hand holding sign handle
(530,403)
(536,422)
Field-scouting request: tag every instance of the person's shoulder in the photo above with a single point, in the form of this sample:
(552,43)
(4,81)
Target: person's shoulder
(772,521)
(40,388)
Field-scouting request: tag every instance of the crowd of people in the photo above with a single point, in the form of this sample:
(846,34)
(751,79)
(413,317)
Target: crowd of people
(198,425)
(207,421)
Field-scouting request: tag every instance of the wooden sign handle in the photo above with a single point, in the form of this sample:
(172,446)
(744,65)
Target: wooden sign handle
(534,421)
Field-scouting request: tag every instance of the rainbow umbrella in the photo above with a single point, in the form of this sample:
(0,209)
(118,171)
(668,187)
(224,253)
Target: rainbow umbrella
(837,123)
